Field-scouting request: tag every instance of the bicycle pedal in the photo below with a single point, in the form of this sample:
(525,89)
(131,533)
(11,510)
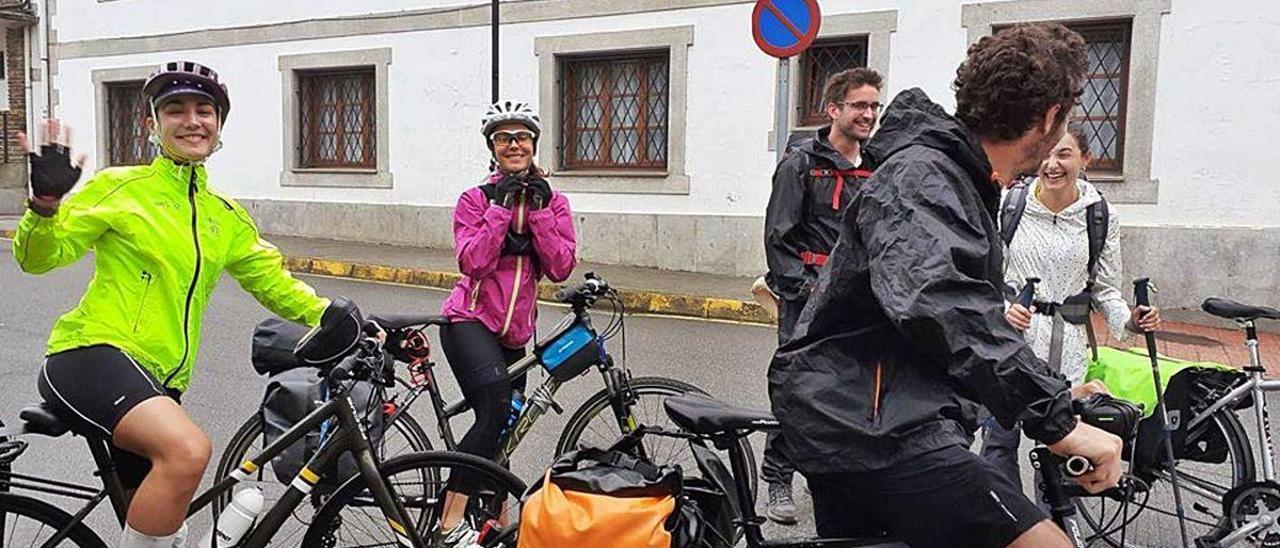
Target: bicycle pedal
(1200,507)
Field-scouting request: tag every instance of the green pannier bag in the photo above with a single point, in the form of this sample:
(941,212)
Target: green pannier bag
(1127,374)
(1189,388)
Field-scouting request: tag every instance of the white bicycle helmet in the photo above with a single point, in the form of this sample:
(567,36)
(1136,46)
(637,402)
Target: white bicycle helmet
(510,111)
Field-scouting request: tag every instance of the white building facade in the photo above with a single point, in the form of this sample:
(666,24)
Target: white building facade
(360,120)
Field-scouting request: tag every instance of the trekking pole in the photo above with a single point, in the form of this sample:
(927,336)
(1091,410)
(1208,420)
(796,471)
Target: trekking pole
(1141,294)
(1028,293)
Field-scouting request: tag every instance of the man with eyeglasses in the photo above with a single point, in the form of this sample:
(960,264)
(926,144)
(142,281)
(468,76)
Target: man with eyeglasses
(811,186)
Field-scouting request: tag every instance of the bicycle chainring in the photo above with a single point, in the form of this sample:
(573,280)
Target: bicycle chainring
(1253,502)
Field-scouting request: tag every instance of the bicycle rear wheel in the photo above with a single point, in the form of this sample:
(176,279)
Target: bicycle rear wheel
(420,482)
(25,521)
(1203,484)
(594,424)
(402,437)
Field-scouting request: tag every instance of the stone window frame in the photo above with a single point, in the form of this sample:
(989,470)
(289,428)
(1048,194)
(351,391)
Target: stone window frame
(672,180)
(811,90)
(291,175)
(102,124)
(1134,184)
(876,26)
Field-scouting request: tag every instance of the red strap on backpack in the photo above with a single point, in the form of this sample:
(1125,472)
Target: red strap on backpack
(840,174)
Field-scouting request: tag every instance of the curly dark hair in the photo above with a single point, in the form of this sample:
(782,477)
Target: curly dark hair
(839,84)
(1011,79)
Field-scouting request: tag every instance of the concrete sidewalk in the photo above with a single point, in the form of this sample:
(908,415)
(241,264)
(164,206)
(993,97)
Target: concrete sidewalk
(1190,335)
(643,290)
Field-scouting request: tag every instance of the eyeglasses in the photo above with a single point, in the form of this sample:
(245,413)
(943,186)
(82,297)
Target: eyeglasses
(860,106)
(504,138)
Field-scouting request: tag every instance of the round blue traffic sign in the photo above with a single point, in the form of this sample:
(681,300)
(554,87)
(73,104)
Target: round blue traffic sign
(784,28)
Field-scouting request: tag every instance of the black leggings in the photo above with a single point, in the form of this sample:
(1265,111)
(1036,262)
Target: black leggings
(479,363)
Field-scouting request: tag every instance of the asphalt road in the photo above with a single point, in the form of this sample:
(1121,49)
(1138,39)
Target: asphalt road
(727,360)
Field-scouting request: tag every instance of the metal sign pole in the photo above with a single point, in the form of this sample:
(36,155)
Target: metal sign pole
(781,105)
(494,37)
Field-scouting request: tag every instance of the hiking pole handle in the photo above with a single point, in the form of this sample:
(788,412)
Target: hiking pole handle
(1028,293)
(1142,296)
(1142,291)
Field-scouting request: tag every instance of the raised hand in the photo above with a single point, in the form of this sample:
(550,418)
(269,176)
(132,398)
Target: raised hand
(53,173)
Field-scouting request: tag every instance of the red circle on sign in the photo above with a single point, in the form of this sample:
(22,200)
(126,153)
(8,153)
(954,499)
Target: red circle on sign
(806,36)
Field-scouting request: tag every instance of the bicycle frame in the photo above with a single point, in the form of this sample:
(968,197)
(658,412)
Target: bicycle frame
(349,437)
(537,403)
(1257,386)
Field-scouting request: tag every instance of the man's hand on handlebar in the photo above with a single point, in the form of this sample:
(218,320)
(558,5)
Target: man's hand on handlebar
(1087,389)
(1101,448)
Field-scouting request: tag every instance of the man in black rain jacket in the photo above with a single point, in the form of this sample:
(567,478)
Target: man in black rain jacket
(904,338)
(812,186)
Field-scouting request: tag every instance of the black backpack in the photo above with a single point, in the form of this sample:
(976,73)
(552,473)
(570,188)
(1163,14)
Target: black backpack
(1097,216)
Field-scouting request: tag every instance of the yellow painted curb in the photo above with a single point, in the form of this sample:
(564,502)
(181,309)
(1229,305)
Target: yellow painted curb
(636,300)
(639,301)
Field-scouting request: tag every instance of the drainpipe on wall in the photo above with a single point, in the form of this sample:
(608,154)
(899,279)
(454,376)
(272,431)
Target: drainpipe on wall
(493,31)
(47,16)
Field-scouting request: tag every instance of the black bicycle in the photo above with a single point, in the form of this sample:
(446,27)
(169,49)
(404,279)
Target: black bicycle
(402,490)
(571,349)
(728,505)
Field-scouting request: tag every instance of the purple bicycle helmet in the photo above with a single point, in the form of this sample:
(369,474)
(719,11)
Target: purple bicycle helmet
(187,78)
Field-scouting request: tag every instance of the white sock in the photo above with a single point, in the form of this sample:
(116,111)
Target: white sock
(180,538)
(131,538)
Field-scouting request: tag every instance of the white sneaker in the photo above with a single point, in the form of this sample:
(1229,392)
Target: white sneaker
(462,536)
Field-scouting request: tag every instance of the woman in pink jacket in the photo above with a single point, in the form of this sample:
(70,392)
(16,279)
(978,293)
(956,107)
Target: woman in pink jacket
(508,233)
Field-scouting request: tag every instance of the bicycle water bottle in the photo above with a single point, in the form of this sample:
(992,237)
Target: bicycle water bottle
(517,407)
(236,519)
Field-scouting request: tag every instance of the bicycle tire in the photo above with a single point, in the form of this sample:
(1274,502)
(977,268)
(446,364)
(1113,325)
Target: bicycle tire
(428,463)
(1096,517)
(248,440)
(48,517)
(571,437)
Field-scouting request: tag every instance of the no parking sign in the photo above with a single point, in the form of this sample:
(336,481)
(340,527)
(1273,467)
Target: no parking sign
(784,28)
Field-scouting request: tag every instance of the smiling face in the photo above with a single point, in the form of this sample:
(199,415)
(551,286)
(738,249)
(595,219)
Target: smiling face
(512,147)
(855,116)
(188,127)
(1063,165)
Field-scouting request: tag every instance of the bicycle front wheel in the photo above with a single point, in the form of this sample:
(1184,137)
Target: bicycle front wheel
(401,437)
(594,424)
(25,521)
(422,482)
(1150,519)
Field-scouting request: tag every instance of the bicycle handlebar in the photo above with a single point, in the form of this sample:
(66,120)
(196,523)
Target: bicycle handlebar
(346,369)
(1107,413)
(594,286)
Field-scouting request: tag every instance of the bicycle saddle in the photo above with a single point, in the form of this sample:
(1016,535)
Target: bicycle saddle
(1232,310)
(401,321)
(40,420)
(703,415)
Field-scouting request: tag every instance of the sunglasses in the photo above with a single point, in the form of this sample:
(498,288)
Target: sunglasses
(505,138)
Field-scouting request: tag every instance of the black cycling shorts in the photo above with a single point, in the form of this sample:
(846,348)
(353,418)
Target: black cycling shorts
(946,498)
(92,388)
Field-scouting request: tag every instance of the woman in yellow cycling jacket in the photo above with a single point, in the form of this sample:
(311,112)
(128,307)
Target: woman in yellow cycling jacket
(119,361)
